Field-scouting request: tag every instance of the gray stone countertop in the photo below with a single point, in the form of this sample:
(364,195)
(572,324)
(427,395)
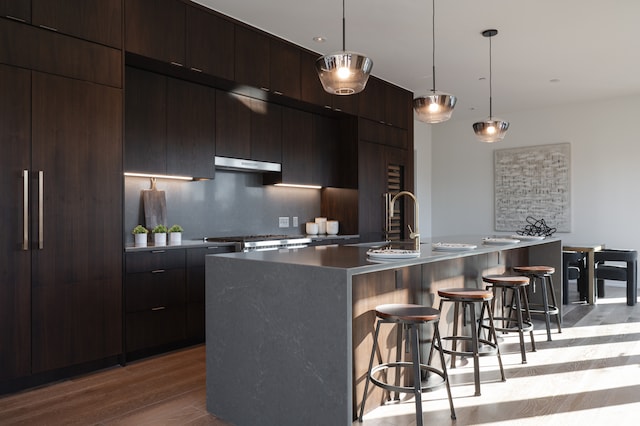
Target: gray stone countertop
(355,260)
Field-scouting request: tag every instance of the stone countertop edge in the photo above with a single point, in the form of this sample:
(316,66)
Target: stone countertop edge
(353,257)
(186,244)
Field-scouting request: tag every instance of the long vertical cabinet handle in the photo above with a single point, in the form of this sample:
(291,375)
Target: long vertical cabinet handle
(40,209)
(25,210)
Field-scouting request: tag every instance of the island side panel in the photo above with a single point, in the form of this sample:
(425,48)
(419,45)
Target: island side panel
(278,340)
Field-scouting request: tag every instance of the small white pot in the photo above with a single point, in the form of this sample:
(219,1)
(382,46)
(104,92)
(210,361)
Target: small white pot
(160,239)
(175,238)
(140,240)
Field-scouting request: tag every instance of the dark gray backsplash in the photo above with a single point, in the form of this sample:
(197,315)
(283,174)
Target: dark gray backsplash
(234,203)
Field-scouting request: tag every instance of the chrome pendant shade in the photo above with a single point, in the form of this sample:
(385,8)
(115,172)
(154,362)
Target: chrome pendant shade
(436,106)
(492,129)
(344,73)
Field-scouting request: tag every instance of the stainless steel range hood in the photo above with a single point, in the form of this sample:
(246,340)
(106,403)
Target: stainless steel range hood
(242,165)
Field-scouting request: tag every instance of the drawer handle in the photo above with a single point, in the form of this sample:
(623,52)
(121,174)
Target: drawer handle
(158,251)
(158,271)
(159,308)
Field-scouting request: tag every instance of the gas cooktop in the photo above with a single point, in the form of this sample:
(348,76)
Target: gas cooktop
(247,238)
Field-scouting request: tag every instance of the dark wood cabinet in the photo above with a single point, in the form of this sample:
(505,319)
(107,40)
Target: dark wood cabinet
(300,154)
(155,300)
(374,162)
(372,99)
(252,58)
(16,9)
(248,128)
(372,131)
(15,253)
(169,126)
(385,103)
(95,20)
(191,129)
(210,43)
(284,72)
(145,129)
(266,131)
(156,29)
(77,181)
(233,128)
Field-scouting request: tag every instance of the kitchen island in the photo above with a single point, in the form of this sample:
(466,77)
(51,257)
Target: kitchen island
(289,332)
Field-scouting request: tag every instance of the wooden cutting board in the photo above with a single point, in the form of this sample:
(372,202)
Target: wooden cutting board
(155,206)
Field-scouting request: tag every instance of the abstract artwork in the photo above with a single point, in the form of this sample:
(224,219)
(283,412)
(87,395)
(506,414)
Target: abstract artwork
(533,181)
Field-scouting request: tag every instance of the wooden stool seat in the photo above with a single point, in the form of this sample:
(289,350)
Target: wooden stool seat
(466,293)
(538,269)
(543,274)
(408,317)
(519,304)
(397,312)
(475,346)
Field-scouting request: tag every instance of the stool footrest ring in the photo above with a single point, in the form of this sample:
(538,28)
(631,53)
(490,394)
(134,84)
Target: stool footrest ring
(539,310)
(526,325)
(429,386)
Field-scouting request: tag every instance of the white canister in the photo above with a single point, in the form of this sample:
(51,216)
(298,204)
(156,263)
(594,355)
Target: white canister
(312,228)
(322,225)
(140,240)
(160,239)
(332,227)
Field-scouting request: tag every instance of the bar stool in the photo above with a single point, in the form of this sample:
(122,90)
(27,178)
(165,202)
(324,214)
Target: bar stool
(510,324)
(469,297)
(543,274)
(408,317)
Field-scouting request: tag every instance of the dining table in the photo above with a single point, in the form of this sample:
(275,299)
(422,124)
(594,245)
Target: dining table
(589,250)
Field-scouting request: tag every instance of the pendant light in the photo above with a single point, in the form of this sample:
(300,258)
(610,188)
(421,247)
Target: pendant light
(435,107)
(344,73)
(493,129)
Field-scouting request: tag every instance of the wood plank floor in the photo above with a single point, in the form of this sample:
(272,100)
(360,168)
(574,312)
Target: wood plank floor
(589,374)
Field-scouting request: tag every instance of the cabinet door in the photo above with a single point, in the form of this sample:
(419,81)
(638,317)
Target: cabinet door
(210,47)
(145,124)
(233,125)
(398,106)
(251,58)
(300,153)
(266,131)
(15,258)
(16,9)
(77,271)
(371,101)
(311,89)
(156,29)
(191,129)
(95,20)
(284,62)
(325,137)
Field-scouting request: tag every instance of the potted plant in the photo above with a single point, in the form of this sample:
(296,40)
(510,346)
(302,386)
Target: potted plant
(175,235)
(140,236)
(160,235)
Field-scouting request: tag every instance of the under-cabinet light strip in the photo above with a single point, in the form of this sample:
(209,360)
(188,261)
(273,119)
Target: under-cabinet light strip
(292,185)
(147,175)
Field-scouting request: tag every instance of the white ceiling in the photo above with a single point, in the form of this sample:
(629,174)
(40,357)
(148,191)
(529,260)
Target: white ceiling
(591,47)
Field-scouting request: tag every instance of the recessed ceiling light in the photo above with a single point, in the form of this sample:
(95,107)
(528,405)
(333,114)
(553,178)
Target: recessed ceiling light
(319,39)
(554,80)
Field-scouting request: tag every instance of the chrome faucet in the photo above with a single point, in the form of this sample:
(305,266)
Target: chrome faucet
(414,234)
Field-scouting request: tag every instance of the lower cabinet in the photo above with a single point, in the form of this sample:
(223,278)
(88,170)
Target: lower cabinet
(164,299)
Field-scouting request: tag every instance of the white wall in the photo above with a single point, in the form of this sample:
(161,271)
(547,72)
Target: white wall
(605,154)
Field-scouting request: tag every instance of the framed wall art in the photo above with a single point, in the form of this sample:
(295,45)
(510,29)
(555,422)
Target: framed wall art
(533,181)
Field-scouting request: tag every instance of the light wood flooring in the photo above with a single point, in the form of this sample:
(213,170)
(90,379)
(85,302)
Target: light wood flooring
(589,374)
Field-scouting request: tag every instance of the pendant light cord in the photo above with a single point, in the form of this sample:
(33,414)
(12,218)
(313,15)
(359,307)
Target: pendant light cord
(433,43)
(343,28)
(490,82)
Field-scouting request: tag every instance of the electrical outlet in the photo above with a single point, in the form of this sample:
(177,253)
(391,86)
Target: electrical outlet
(283,221)
(295,221)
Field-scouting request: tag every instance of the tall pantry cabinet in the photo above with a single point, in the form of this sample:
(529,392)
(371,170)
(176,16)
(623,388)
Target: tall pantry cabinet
(61,205)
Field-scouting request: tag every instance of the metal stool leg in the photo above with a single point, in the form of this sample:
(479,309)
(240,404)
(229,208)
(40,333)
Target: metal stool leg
(366,384)
(436,338)
(553,302)
(476,353)
(417,383)
(545,306)
(525,297)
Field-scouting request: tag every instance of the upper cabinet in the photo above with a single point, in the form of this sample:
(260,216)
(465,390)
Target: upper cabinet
(248,128)
(210,45)
(266,63)
(19,10)
(169,126)
(156,29)
(95,20)
(385,103)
